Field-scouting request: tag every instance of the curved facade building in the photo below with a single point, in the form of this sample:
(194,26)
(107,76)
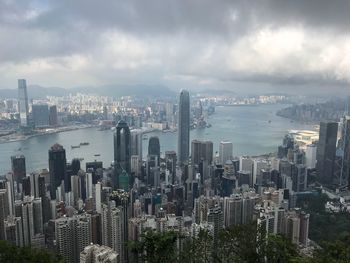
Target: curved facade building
(183,144)
(122,150)
(154,146)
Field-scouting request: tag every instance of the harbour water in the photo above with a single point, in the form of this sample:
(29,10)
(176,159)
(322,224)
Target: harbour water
(253,130)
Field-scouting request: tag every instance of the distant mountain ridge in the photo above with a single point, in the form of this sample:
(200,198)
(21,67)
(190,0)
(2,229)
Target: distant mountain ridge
(39,92)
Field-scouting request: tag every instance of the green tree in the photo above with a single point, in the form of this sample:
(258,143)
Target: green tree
(197,249)
(155,247)
(11,253)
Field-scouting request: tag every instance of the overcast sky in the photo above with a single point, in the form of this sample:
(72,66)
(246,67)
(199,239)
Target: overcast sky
(238,44)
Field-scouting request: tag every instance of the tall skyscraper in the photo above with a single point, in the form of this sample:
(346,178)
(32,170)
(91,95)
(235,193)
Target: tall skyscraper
(345,146)
(154,146)
(57,168)
(18,168)
(23,106)
(183,145)
(201,151)
(326,149)
(136,143)
(225,151)
(122,150)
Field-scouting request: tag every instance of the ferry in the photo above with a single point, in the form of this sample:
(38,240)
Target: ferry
(84,143)
(75,146)
(97,154)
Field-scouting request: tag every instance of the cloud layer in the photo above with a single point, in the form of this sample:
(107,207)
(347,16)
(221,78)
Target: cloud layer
(197,43)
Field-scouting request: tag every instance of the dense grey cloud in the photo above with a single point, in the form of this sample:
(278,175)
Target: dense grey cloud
(196,43)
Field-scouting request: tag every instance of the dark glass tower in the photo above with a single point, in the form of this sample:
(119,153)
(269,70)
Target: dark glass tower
(154,146)
(121,150)
(57,167)
(18,168)
(326,150)
(183,144)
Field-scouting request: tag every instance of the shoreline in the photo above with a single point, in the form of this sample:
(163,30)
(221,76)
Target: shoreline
(59,130)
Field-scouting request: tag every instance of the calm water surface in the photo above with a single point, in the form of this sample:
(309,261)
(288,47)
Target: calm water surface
(248,128)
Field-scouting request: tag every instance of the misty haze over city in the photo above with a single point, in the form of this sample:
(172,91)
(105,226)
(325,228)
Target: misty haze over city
(240,46)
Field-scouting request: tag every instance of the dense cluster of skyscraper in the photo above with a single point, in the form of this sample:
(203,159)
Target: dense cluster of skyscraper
(90,214)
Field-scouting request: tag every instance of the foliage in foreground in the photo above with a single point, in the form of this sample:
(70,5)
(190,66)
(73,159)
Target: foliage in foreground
(240,244)
(11,253)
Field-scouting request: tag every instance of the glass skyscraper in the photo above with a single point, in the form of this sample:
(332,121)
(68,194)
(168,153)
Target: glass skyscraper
(183,145)
(23,102)
(122,150)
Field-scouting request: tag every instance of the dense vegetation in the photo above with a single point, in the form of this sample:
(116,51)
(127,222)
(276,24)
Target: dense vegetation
(324,226)
(11,253)
(242,244)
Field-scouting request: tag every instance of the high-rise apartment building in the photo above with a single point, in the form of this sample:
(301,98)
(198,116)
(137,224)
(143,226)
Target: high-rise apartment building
(23,105)
(183,145)
(57,168)
(65,231)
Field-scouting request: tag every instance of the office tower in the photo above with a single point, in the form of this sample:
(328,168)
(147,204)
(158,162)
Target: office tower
(23,106)
(40,115)
(121,151)
(310,156)
(225,151)
(304,228)
(154,146)
(97,254)
(299,178)
(201,151)
(136,143)
(326,149)
(183,145)
(152,165)
(18,164)
(4,211)
(57,167)
(345,146)
(65,231)
(96,169)
(53,115)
